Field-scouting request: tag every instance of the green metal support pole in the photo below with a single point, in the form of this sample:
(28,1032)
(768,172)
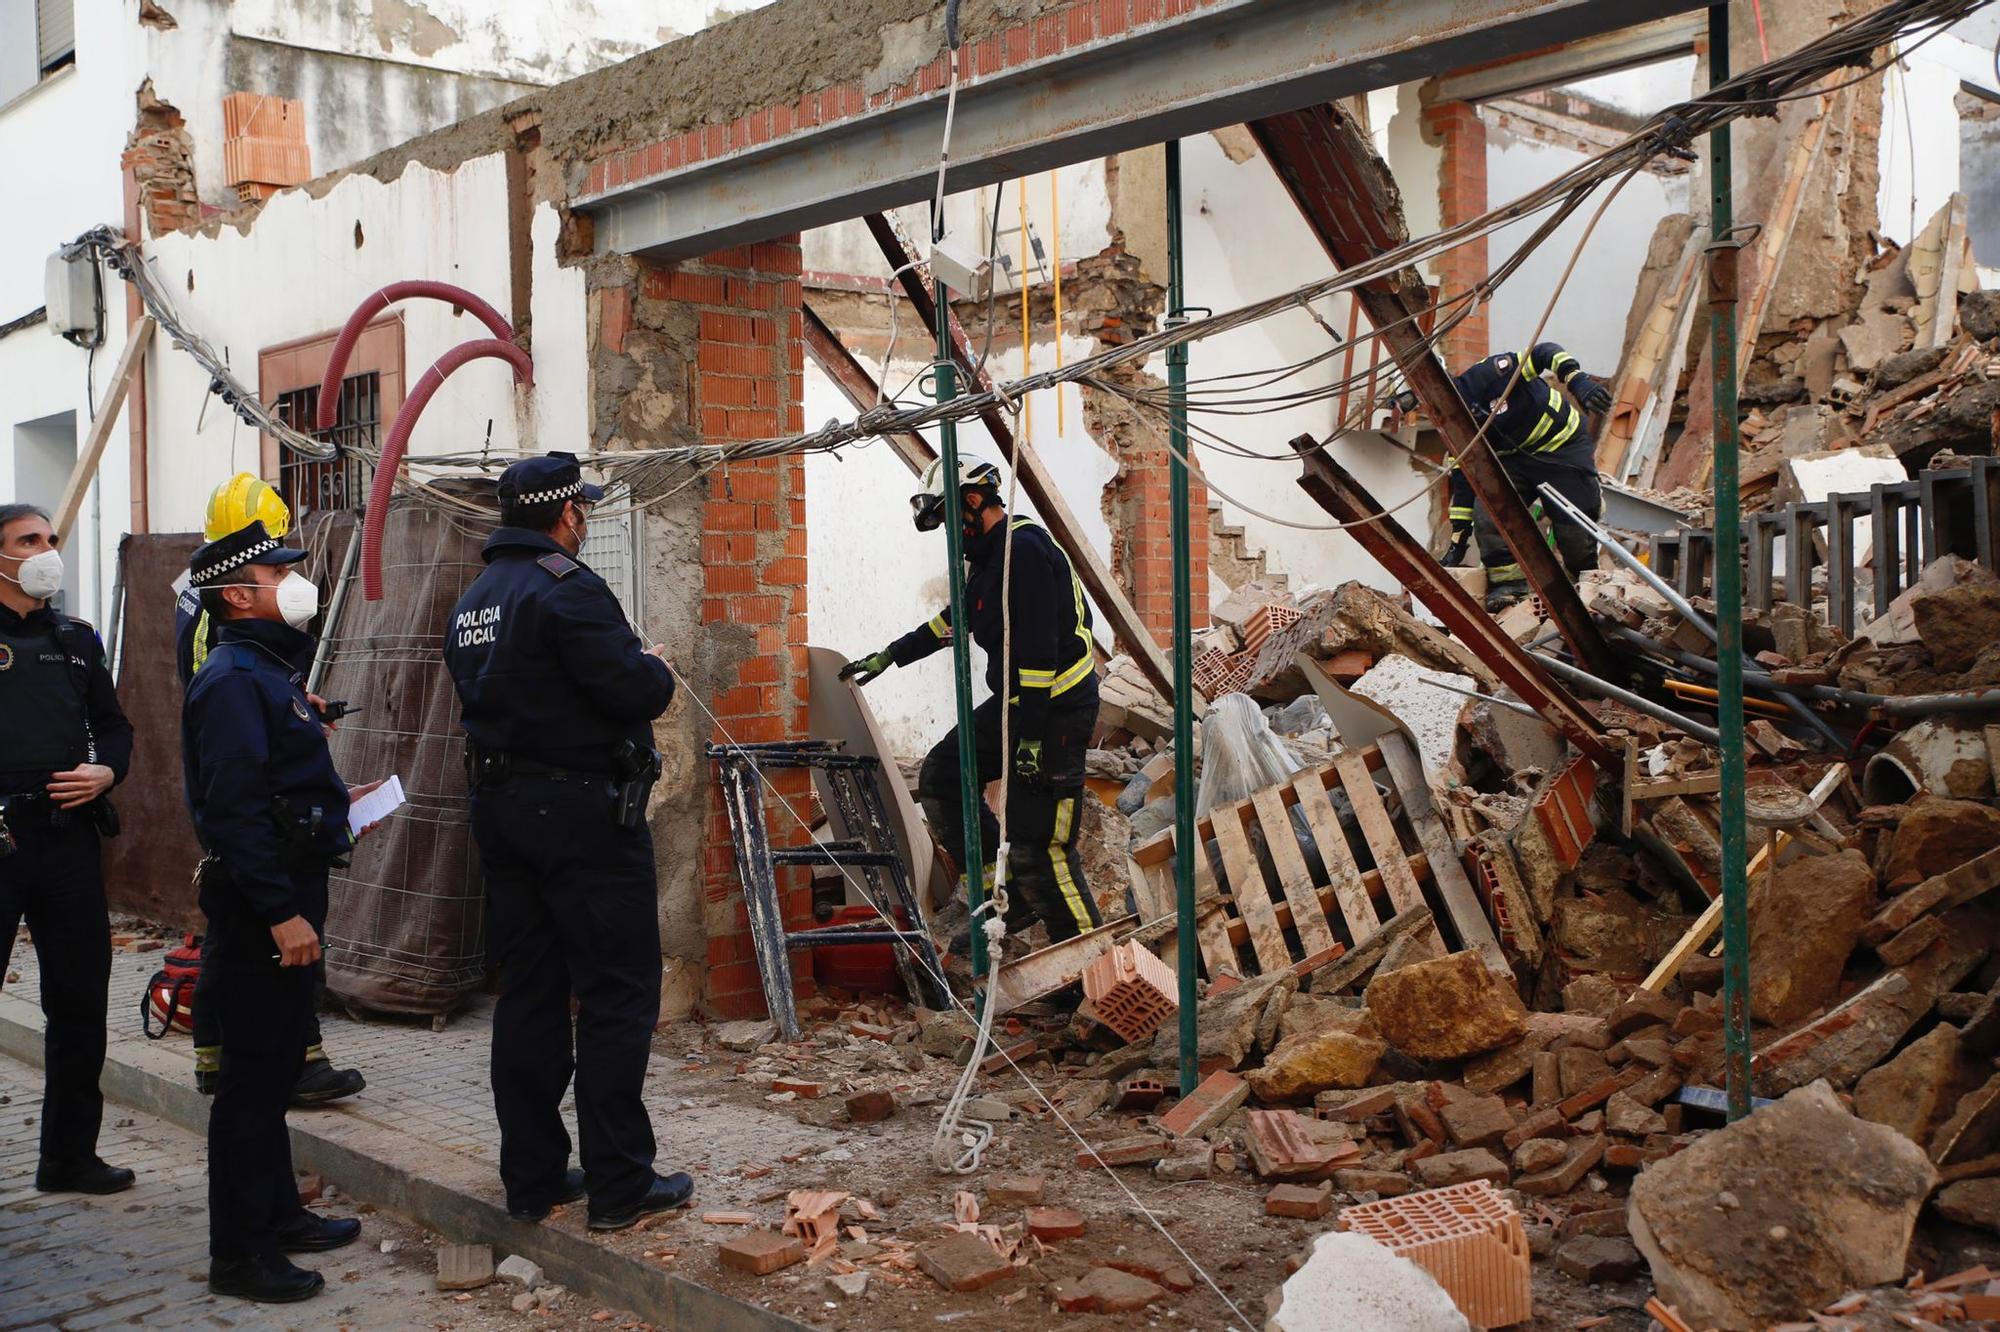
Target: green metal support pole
(1728,589)
(969,794)
(1185,845)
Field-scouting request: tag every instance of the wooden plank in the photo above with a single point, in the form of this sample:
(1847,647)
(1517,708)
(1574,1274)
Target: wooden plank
(1447,875)
(137,339)
(1236,933)
(1293,876)
(1345,875)
(1043,972)
(1154,899)
(1211,922)
(1380,833)
(1249,890)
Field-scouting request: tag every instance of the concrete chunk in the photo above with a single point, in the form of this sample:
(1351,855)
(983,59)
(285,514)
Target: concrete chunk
(464,1266)
(1447,1168)
(761,1252)
(962,1262)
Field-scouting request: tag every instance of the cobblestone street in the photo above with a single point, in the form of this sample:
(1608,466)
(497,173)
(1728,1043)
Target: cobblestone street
(140,1258)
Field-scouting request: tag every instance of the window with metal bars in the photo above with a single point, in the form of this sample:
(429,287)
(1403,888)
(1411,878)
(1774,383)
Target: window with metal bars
(342,482)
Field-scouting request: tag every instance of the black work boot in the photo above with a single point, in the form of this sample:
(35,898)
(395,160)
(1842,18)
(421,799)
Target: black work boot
(1499,596)
(320,1082)
(265,1279)
(309,1232)
(667,1193)
(538,1207)
(91,1176)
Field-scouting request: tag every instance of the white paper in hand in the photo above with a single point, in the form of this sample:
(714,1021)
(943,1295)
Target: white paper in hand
(377,805)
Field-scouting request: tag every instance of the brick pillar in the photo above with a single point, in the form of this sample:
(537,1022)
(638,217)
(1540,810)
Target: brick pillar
(1142,541)
(749,383)
(1458,130)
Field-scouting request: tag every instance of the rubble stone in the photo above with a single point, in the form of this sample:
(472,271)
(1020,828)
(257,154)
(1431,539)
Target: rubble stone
(1971,1202)
(1106,1290)
(1826,1204)
(1450,1008)
(871,1106)
(1624,1115)
(1937,835)
(1055,1223)
(1802,929)
(1584,1154)
(1579,1069)
(1539,1154)
(746,1035)
(945,1034)
(1979,314)
(1599,1258)
(522,1271)
(1511,1063)
(1190,1161)
(464,1266)
(1594,994)
(1913,1091)
(1311,1062)
(1227,1027)
(1350,1281)
(1387,1183)
(1461,1167)
(1957,624)
(1016,1190)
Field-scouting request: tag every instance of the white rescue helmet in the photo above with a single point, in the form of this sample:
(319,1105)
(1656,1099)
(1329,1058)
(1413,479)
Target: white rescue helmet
(974,473)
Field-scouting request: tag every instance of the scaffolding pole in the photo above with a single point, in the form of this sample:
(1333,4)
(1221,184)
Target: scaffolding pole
(969,794)
(1723,333)
(1185,845)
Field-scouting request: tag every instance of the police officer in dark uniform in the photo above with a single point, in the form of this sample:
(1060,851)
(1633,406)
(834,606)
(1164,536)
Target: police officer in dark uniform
(271,813)
(66,742)
(558,698)
(1053,692)
(232,506)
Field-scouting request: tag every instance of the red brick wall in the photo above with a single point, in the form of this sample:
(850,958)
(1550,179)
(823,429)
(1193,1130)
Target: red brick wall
(1142,542)
(1457,128)
(748,383)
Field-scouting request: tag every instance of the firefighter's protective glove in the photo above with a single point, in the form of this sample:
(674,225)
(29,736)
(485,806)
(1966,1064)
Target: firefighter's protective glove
(1028,760)
(864,670)
(1596,397)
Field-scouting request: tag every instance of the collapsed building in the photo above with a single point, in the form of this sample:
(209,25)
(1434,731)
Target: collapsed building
(1443,945)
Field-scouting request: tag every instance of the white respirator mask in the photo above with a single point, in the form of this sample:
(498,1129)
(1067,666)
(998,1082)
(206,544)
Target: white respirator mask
(40,576)
(298,600)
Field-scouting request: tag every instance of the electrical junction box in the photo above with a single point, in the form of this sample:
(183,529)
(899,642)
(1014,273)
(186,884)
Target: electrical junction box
(963,268)
(69,288)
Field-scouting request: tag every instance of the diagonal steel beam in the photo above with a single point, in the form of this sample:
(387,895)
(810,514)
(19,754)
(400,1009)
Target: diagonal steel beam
(1350,200)
(914,279)
(1334,490)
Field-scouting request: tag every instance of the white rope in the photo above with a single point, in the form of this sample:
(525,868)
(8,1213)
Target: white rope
(976,1138)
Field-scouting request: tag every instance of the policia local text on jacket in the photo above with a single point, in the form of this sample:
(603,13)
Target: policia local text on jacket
(1540,436)
(59,710)
(558,697)
(271,812)
(1055,694)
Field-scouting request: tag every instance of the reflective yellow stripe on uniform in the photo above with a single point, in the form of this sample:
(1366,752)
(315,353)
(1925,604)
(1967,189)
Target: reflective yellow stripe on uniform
(199,654)
(939,625)
(1060,682)
(1504,573)
(1571,419)
(1059,863)
(1459,515)
(1565,366)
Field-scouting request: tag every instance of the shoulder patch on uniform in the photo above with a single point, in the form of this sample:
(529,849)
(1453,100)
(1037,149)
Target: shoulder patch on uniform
(299,710)
(558,564)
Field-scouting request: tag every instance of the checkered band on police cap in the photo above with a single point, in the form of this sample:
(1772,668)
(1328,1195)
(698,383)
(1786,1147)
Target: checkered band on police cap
(227,553)
(574,488)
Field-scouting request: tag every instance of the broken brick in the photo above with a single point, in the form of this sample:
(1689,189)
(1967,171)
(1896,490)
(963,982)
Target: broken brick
(1015,1190)
(1539,1154)
(1351,1107)
(1477,1123)
(1018,1053)
(1131,991)
(1544,1123)
(871,1106)
(1142,1149)
(1287,1145)
(761,1252)
(1599,1258)
(1138,1094)
(1299,1202)
(1155,1262)
(805,1091)
(1599,1093)
(962,1262)
(1055,1223)
(1643,1009)
(1218,1096)
(1356,1179)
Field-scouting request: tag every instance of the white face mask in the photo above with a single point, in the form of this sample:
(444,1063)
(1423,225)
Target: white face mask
(298,600)
(298,597)
(40,576)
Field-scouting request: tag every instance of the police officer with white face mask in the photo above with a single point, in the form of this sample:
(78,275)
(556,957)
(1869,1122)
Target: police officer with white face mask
(66,743)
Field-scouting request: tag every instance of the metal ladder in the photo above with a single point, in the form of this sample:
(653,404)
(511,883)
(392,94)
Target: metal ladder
(853,787)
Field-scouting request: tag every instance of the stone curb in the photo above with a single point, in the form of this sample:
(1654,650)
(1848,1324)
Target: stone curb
(441,1189)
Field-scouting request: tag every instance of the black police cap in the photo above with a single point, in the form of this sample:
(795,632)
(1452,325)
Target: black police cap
(247,545)
(544,480)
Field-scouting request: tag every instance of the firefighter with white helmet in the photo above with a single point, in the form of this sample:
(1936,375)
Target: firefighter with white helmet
(1051,691)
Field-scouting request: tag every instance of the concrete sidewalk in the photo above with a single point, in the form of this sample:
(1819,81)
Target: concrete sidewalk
(422,1141)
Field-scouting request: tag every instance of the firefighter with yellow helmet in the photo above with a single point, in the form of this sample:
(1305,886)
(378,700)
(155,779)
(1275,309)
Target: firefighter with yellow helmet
(243,499)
